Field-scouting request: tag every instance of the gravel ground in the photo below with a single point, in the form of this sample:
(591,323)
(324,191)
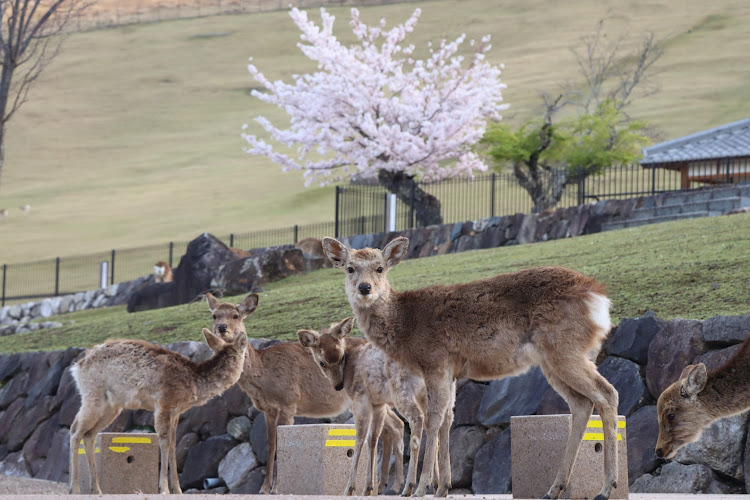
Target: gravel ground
(11,485)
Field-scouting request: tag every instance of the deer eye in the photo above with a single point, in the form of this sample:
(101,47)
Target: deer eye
(214,316)
(236,316)
(350,270)
(670,417)
(322,365)
(380,269)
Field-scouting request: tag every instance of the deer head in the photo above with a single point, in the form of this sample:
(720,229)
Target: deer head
(228,318)
(328,349)
(682,416)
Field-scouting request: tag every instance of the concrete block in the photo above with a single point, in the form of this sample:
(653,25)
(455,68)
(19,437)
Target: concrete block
(537,447)
(127,463)
(316,459)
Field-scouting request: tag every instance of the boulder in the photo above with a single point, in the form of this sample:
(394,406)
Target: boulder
(259,438)
(207,420)
(464,444)
(625,376)
(203,460)
(183,446)
(252,483)
(251,273)
(642,429)
(672,349)
(520,395)
(726,329)
(720,447)
(239,428)
(236,466)
(633,336)
(492,474)
(15,465)
(675,478)
(717,358)
(55,467)
(467,404)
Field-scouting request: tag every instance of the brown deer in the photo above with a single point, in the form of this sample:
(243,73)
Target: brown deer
(553,317)
(134,374)
(373,383)
(282,380)
(163,272)
(699,397)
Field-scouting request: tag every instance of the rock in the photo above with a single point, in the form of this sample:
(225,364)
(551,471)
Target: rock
(552,403)
(206,420)
(183,446)
(510,396)
(626,377)
(239,429)
(717,358)
(642,431)
(203,460)
(15,465)
(259,438)
(467,403)
(249,274)
(55,467)
(633,336)
(236,466)
(726,329)
(672,349)
(492,472)
(464,444)
(252,483)
(675,478)
(720,447)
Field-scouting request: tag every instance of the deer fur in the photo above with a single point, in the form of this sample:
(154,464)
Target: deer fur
(282,380)
(373,384)
(699,397)
(163,272)
(134,374)
(552,317)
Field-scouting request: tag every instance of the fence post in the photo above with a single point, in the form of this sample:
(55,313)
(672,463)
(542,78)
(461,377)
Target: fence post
(336,218)
(296,234)
(103,274)
(411,204)
(5,270)
(112,268)
(653,180)
(231,239)
(171,251)
(492,195)
(57,276)
(581,186)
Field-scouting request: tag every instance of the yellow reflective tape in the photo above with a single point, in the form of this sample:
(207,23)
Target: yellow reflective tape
(598,436)
(81,451)
(598,424)
(342,432)
(132,440)
(119,449)
(340,442)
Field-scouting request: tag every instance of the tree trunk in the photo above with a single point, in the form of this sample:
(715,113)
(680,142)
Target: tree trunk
(426,207)
(544,187)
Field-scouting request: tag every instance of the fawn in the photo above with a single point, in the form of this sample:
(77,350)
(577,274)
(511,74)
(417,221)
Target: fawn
(163,272)
(133,375)
(698,398)
(282,380)
(553,317)
(373,383)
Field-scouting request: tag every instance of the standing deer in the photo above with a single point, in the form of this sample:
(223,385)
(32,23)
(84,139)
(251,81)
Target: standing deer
(699,397)
(553,317)
(282,380)
(134,374)
(373,384)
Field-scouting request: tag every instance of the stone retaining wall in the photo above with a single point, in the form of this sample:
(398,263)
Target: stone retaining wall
(226,438)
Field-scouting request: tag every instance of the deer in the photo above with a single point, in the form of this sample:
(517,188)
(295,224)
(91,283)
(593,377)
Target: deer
(281,380)
(134,374)
(552,317)
(163,272)
(373,383)
(699,398)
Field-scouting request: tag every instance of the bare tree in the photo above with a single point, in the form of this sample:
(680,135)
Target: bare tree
(30,37)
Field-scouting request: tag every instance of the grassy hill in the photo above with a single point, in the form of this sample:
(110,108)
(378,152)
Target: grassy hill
(691,269)
(132,135)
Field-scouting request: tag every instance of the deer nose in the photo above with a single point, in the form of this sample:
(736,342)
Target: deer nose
(659,453)
(340,386)
(364,288)
(222,328)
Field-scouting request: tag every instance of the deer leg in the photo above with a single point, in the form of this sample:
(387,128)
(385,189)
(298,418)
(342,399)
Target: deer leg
(395,428)
(75,438)
(271,417)
(284,418)
(387,437)
(362,412)
(443,464)
(89,422)
(438,400)
(373,433)
(161,424)
(174,478)
(416,425)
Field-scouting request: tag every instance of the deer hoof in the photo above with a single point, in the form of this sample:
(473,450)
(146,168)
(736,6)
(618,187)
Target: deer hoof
(407,490)
(601,497)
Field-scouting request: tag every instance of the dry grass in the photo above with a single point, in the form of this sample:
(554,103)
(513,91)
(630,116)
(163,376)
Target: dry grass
(132,136)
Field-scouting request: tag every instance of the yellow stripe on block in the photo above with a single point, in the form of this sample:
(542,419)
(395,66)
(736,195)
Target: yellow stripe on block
(342,432)
(597,424)
(119,449)
(132,440)
(340,442)
(598,436)
(81,451)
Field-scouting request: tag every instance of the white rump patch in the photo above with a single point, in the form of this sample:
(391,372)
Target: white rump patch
(599,313)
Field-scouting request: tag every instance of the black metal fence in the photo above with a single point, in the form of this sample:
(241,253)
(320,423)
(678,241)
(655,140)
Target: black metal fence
(362,209)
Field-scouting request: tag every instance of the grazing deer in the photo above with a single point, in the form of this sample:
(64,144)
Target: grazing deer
(133,374)
(282,380)
(699,397)
(553,317)
(163,272)
(3,213)
(373,384)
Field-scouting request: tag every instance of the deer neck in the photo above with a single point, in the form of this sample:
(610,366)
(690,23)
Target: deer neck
(375,319)
(726,387)
(218,373)
(253,365)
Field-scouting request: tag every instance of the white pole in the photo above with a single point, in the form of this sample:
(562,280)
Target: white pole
(103,274)
(391,213)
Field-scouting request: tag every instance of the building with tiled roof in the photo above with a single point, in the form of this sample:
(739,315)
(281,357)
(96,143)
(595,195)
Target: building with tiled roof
(716,156)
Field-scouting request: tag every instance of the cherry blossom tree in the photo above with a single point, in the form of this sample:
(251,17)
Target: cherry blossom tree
(376,111)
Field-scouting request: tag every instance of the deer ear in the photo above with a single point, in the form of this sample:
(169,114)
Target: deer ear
(693,380)
(344,328)
(212,302)
(212,340)
(241,340)
(395,251)
(336,252)
(249,304)
(308,338)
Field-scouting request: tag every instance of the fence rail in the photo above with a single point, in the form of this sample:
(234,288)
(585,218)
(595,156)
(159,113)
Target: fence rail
(359,209)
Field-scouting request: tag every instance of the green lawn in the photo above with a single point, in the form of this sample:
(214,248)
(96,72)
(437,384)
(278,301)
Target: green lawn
(691,269)
(132,135)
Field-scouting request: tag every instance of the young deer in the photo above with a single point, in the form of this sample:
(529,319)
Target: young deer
(373,383)
(282,380)
(133,374)
(699,398)
(553,317)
